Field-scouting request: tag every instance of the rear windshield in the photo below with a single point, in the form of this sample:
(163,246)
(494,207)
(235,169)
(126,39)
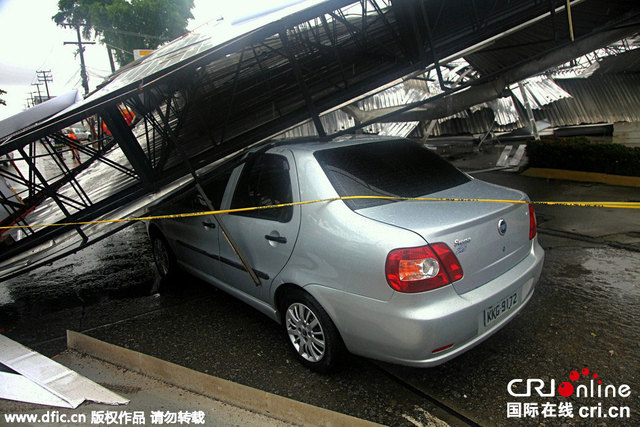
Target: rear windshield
(399,168)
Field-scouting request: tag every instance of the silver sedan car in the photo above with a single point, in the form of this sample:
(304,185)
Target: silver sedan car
(408,282)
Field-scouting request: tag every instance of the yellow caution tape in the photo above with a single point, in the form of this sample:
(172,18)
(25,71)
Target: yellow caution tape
(615,205)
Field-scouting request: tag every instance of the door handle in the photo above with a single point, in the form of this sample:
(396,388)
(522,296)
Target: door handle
(278,239)
(209,224)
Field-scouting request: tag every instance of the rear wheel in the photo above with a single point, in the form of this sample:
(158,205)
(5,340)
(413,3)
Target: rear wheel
(163,256)
(310,332)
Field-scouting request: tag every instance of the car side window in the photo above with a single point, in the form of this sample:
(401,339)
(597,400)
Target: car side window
(264,181)
(213,188)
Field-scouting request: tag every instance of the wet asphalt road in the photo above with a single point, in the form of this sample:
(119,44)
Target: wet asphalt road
(585,314)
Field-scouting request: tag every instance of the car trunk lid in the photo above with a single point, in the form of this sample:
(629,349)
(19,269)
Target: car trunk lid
(489,238)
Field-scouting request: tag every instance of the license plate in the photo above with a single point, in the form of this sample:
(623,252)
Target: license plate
(496,311)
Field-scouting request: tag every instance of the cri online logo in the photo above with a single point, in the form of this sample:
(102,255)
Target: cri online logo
(567,388)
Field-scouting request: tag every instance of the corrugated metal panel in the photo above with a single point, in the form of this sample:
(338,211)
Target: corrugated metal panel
(599,99)
(332,123)
(541,91)
(402,130)
(397,95)
(504,111)
(392,97)
(479,122)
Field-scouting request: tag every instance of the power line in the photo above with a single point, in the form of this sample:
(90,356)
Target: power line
(141,35)
(72,77)
(116,48)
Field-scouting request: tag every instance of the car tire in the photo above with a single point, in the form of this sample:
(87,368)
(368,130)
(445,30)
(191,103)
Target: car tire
(310,333)
(163,256)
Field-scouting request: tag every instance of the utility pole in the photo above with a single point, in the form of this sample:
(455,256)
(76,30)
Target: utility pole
(44,76)
(39,94)
(111,63)
(83,68)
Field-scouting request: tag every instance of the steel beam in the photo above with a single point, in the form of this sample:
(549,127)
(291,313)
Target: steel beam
(128,144)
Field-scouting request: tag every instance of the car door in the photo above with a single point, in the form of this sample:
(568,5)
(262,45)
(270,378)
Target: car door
(196,239)
(265,237)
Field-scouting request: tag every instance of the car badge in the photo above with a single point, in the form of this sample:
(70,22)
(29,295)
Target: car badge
(502,227)
(460,245)
(460,242)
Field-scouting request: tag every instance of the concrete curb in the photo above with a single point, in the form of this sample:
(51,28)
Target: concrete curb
(602,178)
(255,400)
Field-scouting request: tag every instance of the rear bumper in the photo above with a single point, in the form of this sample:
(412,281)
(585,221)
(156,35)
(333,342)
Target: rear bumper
(409,327)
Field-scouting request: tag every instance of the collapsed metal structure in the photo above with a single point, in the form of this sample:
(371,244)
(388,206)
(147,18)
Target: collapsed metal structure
(225,87)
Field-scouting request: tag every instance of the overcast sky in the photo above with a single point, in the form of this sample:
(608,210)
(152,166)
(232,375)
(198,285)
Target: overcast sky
(31,41)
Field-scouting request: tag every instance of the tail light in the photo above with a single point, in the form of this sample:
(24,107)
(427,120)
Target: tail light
(423,268)
(533,224)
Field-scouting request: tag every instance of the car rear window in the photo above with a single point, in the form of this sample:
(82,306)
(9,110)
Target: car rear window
(397,168)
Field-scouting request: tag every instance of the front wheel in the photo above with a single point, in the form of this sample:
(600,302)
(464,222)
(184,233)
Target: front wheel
(311,334)
(164,258)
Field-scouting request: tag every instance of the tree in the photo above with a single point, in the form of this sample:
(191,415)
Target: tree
(126,25)
(2,101)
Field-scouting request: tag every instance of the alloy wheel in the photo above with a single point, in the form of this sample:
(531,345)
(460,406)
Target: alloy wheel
(305,332)
(161,255)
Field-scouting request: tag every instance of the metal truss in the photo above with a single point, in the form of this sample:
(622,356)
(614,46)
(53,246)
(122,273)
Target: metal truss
(197,101)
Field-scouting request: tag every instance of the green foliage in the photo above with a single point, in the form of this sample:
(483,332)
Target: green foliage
(127,24)
(582,155)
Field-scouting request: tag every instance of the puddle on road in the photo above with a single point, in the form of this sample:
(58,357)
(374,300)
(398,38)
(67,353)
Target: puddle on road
(596,292)
(116,268)
(611,269)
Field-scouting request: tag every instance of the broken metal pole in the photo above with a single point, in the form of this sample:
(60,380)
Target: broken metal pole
(570,20)
(527,106)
